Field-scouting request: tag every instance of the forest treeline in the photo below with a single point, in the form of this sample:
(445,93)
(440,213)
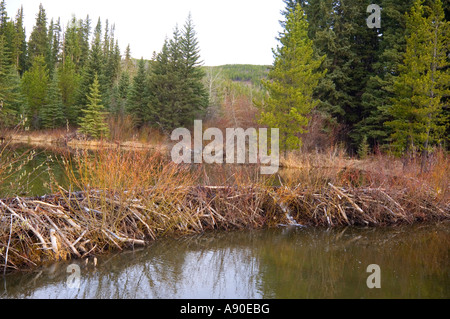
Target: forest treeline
(78,77)
(385,87)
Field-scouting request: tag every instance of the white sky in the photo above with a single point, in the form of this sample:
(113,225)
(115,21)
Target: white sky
(229,31)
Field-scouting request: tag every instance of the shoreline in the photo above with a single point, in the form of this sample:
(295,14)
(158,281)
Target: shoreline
(62,141)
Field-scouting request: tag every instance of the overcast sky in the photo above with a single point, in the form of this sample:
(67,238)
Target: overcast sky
(229,31)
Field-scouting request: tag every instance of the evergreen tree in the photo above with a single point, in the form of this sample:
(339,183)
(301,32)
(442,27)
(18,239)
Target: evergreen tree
(164,88)
(137,104)
(3,17)
(54,37)
(123,90)
(84,35)
(93,68)
(35,85)
(339,32)
(19,54)
(197,98)
(177,93)
(69,82)
(128,62)
(292,81)
(11,99)
(93,122)
(378,93)
(52,113)
(424,79)
(39,43)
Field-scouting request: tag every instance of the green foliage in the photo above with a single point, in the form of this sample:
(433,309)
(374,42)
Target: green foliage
(292,81)
(69,82)
(417,109)
(39,43)
(94,67)
(10,89)
(242,72)
(137,104)
(93,122)
(35,86)
(52,113)
(177,93)
(364,148)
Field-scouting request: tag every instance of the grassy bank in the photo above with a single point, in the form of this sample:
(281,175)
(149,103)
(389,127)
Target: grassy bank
(132,198)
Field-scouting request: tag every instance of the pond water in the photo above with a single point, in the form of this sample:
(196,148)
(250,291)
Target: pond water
(267,264)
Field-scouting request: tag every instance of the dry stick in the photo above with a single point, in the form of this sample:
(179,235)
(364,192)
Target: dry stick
(79,238)
(396,204)
(63,237)
(68,219)
(139,216)
(347,197)
(107,235)
(26,223)
(7,248)
(126,240)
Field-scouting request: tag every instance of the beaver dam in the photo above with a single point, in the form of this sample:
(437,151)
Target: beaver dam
(69,225)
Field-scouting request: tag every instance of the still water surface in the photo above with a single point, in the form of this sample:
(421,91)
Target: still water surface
(275,263)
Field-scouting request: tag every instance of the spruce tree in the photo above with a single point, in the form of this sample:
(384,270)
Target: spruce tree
(20,53)
(52,113)
(38,45)
(94,67)
(93,122)
(69,81)
(291,81)
(11,100)
(137,104)
(378,93)
(35,85)
(196,97)
(177,93)
(423,83)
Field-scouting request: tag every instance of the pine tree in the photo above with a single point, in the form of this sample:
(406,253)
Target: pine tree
(11,100)
(197,98)
(39,44)
(93,122)
(123,90)
(94,67)
(128,63)
(291,82)
(20,44)
(165,87)
(417,108)
(339,32)
(3,17)
(54,37)
(35,86)
(69,82)
(52,113)
(137,104)
(378,93)
(177,93)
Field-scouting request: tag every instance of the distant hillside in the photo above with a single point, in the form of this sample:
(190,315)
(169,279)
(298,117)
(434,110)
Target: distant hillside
(242,72)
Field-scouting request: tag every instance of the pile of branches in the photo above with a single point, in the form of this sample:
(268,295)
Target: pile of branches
(79,224)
